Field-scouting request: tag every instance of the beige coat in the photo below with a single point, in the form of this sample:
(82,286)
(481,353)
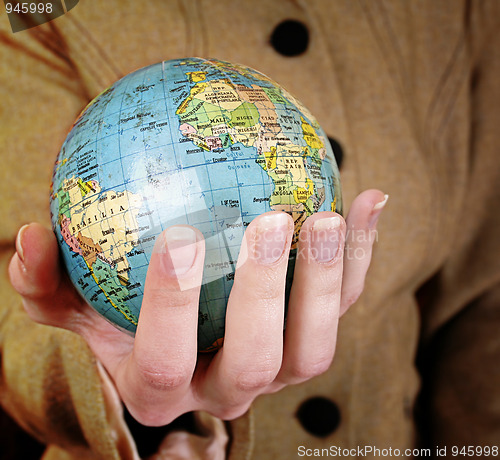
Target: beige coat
(410,90)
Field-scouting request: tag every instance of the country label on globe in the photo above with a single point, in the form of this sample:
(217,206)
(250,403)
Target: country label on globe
(199,142)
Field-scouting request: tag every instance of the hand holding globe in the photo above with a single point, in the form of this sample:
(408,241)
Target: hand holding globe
(159,374)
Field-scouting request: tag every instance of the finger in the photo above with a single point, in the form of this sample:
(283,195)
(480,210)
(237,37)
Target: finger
(253,344)
(35,273)
(34,269)
(313,310)
(159,370)
(360,237)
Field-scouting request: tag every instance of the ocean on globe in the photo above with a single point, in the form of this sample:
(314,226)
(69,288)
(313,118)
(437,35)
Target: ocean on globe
(192,141)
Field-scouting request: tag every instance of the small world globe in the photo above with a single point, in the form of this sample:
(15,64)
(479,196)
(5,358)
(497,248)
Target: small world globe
(197,142)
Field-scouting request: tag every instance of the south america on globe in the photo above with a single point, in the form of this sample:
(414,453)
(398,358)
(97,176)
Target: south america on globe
(191,141)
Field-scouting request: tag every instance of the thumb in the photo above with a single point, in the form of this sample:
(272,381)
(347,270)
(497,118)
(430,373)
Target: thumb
(36,274)
(34,270)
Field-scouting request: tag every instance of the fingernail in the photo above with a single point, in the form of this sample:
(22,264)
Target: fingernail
(376,211)
(324,239)
(19,242)
(180,243)
(271,237)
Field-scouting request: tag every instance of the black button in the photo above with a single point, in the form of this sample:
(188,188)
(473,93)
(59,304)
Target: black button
(290,38)
(319,416)
(337,151)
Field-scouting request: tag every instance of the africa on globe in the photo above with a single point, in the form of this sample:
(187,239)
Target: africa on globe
(191,141)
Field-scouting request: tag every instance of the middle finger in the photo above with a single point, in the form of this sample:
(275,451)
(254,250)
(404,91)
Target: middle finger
(253,344)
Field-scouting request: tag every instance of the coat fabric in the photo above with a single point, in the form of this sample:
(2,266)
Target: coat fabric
(409,90)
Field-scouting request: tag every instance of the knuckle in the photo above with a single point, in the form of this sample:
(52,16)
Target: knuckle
(352,295)
(249,381)
(231,413)
(263,291)
(167,297)
(151,416)
(307,370)
(326,290)
(264,284)
(166,380)
(39,313)
(33,313)
(271,295)
(326,282)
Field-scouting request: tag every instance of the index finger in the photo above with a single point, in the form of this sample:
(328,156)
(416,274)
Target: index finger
(159,370)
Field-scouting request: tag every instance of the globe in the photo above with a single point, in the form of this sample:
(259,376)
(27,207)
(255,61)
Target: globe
(191,141)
